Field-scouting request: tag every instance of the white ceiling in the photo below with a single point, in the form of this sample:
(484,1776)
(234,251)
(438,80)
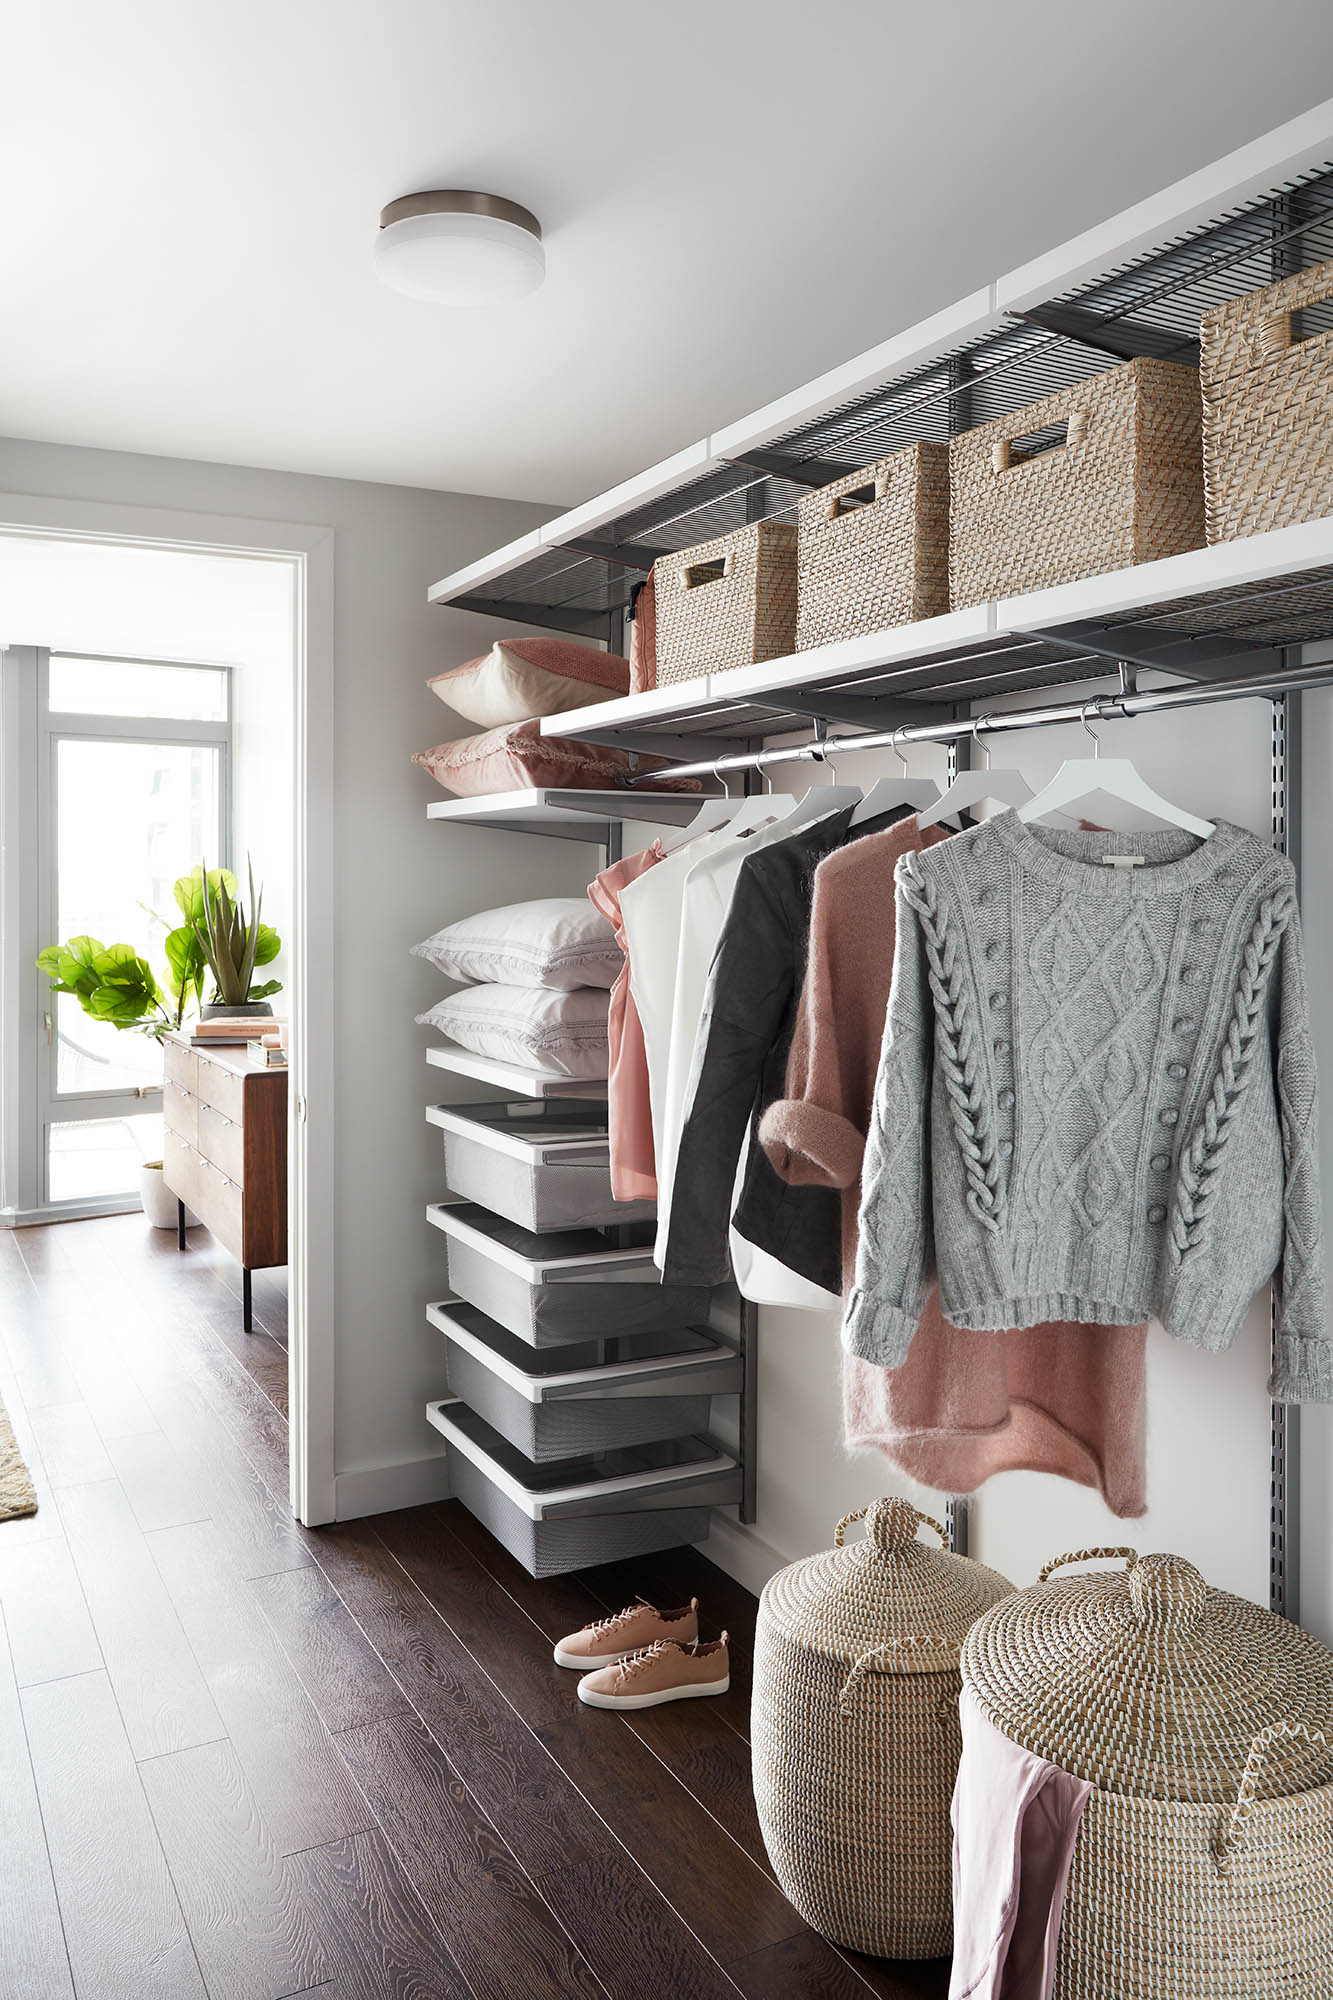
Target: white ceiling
(736,194)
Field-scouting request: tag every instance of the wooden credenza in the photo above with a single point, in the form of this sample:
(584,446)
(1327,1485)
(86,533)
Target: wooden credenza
(224,1151)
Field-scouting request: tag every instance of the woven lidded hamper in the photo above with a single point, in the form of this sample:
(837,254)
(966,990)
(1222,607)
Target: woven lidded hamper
(854,1734)
(1203,1868)
(872,549)
(1267,409)
(1122,483)
(727,603)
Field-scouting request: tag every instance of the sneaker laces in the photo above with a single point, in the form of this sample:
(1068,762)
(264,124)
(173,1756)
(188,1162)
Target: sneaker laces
(609,1623)
(632,1664)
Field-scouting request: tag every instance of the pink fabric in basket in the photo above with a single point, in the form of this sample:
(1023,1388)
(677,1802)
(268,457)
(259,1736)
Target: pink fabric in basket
(1015,1821)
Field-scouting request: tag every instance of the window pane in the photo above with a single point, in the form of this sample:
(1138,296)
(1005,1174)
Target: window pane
(130,819)
(137,687)
(92,1157)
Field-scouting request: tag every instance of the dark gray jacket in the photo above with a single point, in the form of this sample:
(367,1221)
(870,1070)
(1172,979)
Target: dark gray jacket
(740,1068)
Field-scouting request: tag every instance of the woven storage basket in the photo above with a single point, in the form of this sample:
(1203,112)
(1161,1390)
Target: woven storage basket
(1124,486)
(872,549)
(855,1738)
(726,603)
(1267,410)
(1203,1868)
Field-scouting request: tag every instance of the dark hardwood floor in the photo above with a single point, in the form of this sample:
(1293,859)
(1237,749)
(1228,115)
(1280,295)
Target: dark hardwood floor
(245,1760)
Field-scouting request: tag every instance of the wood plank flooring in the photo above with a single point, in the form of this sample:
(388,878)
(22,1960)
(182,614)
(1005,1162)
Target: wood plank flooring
(246,1761)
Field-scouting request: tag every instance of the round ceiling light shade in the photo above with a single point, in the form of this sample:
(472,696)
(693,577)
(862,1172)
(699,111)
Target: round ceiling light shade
(460,249)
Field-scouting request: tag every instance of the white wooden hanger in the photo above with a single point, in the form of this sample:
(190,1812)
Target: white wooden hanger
(1078,777)
(731,815)
(970,788)
(821,800)
(886,793)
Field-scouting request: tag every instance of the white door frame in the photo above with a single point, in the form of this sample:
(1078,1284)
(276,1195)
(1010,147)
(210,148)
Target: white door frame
(312,1157)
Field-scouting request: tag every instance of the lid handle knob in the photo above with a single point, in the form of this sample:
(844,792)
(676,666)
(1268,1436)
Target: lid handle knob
(891,1525)
(1168,1593)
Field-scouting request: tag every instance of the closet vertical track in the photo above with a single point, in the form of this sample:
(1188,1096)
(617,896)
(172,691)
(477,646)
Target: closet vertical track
(1284,1547)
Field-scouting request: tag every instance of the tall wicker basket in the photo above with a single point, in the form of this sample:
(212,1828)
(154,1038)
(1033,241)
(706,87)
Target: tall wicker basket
(873,548)
(1267,409)
(726,603)
(1123,484)
(1203,1868)
(855,1738)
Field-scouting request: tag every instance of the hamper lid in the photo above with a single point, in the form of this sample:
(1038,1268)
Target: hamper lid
(1149,1683)
(888,1594)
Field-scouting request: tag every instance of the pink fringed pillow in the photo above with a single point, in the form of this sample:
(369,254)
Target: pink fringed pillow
(520,678)
(507,760)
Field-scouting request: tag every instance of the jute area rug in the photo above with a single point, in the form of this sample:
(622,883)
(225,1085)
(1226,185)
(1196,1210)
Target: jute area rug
(17,1493)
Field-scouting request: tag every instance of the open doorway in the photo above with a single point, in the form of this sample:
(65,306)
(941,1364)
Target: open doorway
(153,707)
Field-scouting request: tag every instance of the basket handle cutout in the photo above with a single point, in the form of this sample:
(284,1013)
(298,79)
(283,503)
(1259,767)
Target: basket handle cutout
(1008,453)
(695,574)
(1131,1556)
(853,500)
(890,1657)
(1232,1835)
(1281,331)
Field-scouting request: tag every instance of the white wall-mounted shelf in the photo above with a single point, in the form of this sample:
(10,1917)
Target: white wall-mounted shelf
(509,1076)
(566,815)
(1134,284)
(1262,591)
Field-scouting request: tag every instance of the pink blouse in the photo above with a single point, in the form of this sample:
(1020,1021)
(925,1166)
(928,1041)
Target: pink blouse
(629,1113)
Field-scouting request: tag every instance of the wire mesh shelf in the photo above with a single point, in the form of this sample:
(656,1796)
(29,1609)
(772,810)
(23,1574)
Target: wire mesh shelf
(1151,304)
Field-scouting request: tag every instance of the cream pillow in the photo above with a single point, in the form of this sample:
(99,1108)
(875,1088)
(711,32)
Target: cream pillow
(521,678)
(558,941)
(535,1027)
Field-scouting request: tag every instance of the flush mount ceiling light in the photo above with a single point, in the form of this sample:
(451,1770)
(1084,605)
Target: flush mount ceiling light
(459,249)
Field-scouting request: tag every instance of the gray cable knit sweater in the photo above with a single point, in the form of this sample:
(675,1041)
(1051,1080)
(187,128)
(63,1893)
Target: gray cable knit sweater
(1096,1098)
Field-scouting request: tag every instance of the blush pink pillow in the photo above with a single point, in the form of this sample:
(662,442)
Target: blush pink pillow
(520,678)
(507,760)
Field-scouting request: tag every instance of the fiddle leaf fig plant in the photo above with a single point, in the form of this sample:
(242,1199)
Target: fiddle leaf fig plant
(114,983)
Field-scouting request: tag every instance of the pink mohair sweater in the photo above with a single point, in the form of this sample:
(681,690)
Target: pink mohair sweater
(1055,1398)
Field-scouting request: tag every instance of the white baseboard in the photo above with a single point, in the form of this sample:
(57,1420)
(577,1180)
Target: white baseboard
(70,1211)
(383,1489)
(742,1553)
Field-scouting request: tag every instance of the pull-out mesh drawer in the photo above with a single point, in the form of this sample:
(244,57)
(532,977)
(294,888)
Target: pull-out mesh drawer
(552,1289)
(544,1165)
(591,1396)
(591,1509)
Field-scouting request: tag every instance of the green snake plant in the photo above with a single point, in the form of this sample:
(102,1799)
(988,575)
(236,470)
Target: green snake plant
(230,943)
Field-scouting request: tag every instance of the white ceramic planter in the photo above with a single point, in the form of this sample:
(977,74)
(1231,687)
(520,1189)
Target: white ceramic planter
(159,1203)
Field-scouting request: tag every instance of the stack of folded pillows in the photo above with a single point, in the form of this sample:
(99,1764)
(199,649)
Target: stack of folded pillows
(539,978)
(507,692)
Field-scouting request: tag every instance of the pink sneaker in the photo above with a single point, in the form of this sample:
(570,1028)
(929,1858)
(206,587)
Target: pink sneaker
(664,1672)
(640,1625)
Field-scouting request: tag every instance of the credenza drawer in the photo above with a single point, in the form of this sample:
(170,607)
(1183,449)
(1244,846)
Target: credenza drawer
(180,1065)
(221,1088)
(180,1109)
(222,1140)
(181,1168)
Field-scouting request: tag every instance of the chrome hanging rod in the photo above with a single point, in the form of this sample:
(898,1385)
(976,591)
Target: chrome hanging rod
(1106,707)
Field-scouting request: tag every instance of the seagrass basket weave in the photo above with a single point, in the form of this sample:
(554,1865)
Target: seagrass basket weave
(1267,409)
(1203,1868)
(1096,477)
(855,1736)
(726,603)
(872,549)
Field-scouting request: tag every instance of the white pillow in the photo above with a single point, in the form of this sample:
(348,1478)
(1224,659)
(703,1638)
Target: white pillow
(559,941)
(533,1026)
